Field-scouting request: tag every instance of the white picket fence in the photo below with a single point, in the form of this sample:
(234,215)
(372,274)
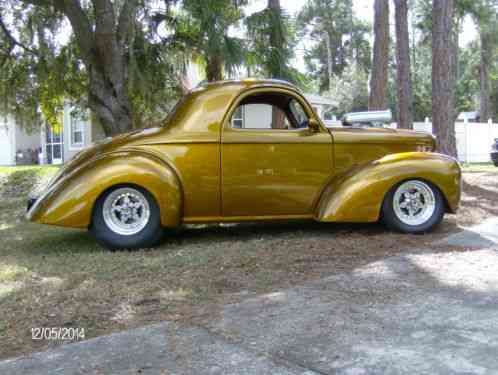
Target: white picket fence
(474,139)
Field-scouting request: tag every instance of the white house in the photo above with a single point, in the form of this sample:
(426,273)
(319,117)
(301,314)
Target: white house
(17,146)
(60,144)
(47,144)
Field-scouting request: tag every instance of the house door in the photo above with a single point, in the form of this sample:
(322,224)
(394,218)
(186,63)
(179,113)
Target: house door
(54,144)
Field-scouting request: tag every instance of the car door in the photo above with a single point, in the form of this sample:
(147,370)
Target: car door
(272,170)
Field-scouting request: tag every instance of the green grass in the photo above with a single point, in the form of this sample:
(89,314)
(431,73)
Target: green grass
(38,169)
(479,167)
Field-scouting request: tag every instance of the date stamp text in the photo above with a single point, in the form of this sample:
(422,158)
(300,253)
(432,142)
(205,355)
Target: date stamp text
(58,333)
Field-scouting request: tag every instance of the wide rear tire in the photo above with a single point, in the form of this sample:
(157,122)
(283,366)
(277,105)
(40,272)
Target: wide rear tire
(127,217)
(413,206)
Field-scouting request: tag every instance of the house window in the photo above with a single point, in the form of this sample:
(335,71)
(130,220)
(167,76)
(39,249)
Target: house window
(238,118)
(77,131)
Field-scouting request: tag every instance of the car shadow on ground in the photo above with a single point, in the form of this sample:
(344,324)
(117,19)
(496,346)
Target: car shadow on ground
(247,231)
(258,229)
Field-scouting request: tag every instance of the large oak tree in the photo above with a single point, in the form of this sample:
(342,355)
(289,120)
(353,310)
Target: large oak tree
(101,54)
(104,40)
(125,58)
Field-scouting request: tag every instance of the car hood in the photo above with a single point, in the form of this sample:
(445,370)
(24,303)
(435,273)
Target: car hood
(381,135)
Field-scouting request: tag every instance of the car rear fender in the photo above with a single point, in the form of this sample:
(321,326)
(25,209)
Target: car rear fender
(70,201)
(357,196)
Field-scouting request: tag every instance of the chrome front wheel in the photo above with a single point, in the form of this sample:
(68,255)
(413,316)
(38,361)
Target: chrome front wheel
(414,202)
(413,206)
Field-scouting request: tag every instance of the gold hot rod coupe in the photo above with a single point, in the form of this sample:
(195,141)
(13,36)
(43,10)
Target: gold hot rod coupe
(249,150)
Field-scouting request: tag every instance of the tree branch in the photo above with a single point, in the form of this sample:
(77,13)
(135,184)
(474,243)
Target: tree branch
(109,50)
(80,25)
(126,18)
(13,41)
(105,19)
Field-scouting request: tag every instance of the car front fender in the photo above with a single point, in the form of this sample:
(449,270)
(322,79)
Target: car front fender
(69,201)
(357,196)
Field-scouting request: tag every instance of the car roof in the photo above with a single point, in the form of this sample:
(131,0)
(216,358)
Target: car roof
(246,83)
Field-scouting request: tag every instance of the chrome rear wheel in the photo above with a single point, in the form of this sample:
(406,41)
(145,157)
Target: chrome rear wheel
(126,211)
(127,217)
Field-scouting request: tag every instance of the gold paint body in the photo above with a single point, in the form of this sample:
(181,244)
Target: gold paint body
(199,169)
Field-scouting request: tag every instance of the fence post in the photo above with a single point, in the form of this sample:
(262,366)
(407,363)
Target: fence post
(426,123)
(467,140)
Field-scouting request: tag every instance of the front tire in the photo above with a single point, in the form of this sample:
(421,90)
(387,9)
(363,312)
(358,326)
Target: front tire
(126,217)
(413,206)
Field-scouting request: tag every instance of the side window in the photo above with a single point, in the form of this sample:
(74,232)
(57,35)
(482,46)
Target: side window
(299,113)
(259,116)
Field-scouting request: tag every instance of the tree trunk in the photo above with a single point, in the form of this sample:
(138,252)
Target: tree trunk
(378,80)
(277,118)
(456,54)
(443,84)
(108,98)
(329,61)
(275,68)
(214,68)
(274,4)
(403,74)
(102,47)
(484,110)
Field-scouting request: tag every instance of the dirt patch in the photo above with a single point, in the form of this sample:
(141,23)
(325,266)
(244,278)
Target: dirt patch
(479,198)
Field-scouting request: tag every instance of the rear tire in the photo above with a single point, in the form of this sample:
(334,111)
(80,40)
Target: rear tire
(126,217)
(413,206)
